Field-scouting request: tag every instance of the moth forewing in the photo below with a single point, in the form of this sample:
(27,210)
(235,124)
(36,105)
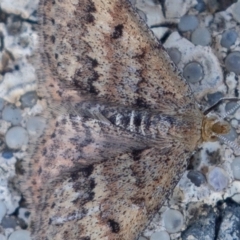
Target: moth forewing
(104,168)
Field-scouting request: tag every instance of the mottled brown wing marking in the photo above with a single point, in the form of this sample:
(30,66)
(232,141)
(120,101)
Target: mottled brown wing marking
(108,201)
(111,57)
(89,179)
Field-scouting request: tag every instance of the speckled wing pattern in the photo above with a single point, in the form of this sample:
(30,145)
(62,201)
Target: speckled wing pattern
(121,123)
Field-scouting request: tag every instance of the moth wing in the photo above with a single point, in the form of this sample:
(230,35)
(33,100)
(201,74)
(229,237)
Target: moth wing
(109,200)
(103,49)
(72,141)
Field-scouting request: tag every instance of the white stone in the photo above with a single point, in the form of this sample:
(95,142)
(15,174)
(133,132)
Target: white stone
(20,235)
(2,237)
(153,12)
(4,126)
(17,83)
(213,76)
(163,235)
(176,9)
(159,31)
(24,8)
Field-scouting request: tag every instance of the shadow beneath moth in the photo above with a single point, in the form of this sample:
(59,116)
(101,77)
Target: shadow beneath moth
(122,123)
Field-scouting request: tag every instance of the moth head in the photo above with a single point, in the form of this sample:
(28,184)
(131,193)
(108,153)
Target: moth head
(213,127)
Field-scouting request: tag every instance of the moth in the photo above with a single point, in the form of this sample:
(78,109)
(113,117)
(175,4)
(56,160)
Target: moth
(121,123)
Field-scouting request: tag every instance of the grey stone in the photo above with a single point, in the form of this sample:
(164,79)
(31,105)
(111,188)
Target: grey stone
(29,99)
(214,97)
(217,179)
(231,135)
(201,6)
(36,125)
(175,55)
(12,114)
(196,177)
(162,235)
(201,36)
(16,137)
(2,237)
(229,38)
(7,154)
(20,235)
(9,222)
(188,23)
(193,72)
(232,62)
(173,220)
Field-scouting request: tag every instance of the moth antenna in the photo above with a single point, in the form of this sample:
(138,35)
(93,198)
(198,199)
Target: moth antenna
(231,111)
(208,110)
(231,144)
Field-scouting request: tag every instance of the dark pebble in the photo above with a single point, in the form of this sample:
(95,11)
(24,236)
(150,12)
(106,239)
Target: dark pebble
(196,177)
(7,154)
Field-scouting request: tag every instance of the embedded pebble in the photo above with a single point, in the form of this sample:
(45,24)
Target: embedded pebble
(231,135)
(9,222)
(20,235)
(235,165)
(217,179)
(173,220)
(175,55)
(229,38)
(193,72)
(236,11)
(142,238)
(16,137)
(14,25)
(201,6)
(29,99)
(163,235)
(1,103)
(3,210)
(214,97)
(36,125)
(196,177)
(232,62)
(24,8)
(2,237)
(7,154)
(201,36)
(12,114)
(188,23)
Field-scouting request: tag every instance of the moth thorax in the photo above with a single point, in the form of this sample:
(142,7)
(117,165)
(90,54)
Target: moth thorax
(212,127)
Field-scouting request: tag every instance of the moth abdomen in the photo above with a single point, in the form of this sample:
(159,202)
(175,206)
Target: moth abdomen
(144,122)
